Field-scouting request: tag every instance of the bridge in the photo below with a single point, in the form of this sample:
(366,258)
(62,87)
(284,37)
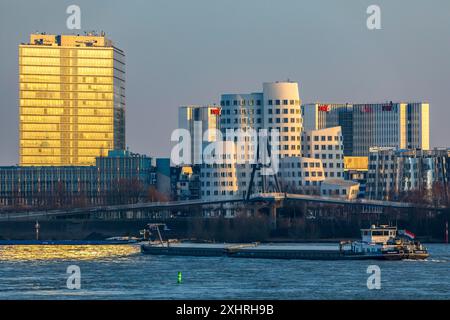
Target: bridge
(270,198)
(331,200)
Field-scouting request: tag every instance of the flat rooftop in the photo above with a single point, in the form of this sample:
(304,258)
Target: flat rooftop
(77,40)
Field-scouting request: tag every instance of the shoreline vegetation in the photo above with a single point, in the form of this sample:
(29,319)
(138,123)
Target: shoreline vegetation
(256,228)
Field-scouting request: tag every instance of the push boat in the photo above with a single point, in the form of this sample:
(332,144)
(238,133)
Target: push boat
(389,244)
(377,243)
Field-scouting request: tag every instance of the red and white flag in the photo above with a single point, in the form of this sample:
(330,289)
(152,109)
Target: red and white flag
(407,233)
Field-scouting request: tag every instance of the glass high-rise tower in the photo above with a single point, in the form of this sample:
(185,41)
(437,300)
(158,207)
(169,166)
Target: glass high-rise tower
(71,99)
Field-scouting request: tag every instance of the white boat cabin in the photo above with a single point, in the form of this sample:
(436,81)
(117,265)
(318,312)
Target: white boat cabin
(379,234)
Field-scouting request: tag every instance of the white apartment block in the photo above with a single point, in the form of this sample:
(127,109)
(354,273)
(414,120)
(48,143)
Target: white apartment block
(339,188)
(327,146)
(301,175)
(226,180)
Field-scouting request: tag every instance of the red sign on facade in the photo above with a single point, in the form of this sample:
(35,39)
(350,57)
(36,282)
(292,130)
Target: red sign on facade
(215,111)
(324,108)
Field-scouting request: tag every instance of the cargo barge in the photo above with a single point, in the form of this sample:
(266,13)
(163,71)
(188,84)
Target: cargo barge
(378,243)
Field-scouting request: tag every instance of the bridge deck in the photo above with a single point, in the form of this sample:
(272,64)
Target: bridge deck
(261,197)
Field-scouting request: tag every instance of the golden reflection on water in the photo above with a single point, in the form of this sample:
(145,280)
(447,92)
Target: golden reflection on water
(65,252)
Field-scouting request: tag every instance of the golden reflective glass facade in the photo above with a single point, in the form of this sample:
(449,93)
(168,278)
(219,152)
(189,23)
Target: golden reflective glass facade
(71,100)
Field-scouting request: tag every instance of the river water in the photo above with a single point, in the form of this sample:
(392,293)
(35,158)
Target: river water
(122,272)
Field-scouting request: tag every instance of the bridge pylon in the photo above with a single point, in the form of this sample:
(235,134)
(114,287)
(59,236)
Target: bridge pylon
(265,183)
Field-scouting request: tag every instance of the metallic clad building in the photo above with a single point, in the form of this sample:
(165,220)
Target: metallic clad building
(71,99)
(396,171)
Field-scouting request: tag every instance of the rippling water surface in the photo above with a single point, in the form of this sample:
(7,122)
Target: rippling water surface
(122,272)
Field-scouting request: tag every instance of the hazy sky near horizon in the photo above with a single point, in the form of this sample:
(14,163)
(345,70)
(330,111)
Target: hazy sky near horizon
(190,51)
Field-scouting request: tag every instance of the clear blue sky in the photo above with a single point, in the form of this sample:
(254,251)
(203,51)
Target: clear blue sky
(191,51)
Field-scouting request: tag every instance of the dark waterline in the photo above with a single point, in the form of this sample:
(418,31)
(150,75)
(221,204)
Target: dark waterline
(122,272)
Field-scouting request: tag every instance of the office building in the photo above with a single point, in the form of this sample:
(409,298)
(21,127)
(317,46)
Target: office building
(400,125)
(188,184)
(114,179)
(355,169)
(199,121)
(317,116)
(394,172)
(71,99)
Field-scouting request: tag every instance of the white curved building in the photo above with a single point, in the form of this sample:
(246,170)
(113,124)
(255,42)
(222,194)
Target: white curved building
(218,178)
(303,164)
(326,145)
(281,111)
(277,107)
(301,175)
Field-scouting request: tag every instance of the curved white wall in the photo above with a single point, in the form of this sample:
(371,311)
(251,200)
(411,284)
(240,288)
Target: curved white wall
(282,111)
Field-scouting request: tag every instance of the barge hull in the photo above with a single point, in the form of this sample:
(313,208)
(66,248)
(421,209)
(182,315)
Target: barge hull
(258,253)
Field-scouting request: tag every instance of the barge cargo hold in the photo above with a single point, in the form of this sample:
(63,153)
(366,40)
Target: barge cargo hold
(378,243)
(304,252)
(250,251)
